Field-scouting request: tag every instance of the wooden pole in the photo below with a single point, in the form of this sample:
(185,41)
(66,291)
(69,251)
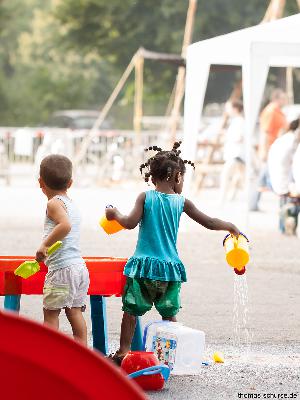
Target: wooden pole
(180,80)
(138,95)
(290,85)
(274,11)
(88,139)
(170,103)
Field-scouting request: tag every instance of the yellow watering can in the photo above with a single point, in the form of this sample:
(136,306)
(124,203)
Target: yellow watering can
(111,226)
(31,267)
(237,252)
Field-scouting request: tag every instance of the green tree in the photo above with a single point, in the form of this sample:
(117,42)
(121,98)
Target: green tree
(116,29)
(37,75)
(57,54)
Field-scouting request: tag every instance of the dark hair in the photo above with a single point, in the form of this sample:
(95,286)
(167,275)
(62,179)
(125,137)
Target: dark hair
(238,105)
(294,124)
(164,163)
(56,171)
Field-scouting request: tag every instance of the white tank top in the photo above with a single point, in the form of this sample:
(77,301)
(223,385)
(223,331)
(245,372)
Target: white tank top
(69,253)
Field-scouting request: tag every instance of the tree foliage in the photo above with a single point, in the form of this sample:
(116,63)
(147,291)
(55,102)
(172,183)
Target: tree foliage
(58,54)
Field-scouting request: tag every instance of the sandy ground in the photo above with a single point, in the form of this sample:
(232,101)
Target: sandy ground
(272,368)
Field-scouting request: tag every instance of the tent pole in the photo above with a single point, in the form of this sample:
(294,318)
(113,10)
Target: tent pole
(289,78)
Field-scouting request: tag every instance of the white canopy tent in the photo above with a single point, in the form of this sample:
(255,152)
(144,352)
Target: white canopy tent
(255,49)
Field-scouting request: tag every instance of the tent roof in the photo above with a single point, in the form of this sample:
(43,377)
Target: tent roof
(233,48)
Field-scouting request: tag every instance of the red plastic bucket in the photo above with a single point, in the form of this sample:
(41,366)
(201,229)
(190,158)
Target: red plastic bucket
(137,360)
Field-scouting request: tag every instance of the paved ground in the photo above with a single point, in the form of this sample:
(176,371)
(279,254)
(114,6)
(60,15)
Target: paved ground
(273,276)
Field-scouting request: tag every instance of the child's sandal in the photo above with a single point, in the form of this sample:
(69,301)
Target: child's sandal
(116,359)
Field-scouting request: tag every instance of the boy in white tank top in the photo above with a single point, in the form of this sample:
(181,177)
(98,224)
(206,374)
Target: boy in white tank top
(67,281)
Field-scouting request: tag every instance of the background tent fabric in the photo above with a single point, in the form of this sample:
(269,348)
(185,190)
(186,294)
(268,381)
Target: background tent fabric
(255,49)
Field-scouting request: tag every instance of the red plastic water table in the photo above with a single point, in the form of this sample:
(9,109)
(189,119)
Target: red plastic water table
(106,276)
(106,279)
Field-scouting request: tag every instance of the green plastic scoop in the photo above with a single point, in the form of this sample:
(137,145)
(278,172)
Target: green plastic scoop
(31,267)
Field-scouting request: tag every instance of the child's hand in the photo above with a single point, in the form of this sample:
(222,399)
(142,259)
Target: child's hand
(110,213)
(234,230)
(41,253)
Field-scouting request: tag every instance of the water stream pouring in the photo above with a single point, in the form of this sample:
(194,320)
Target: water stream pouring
(237,252)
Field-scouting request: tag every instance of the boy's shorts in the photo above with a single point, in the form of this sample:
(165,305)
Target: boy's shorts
(140,294)
(66,288)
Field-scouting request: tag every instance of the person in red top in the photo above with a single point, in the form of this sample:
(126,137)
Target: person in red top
(272,123)
(272,120)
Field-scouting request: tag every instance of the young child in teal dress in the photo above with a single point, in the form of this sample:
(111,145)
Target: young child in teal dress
(155,272)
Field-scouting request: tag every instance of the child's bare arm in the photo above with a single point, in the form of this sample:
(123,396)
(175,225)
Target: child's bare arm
(57,213)
(210,223)
(128,221)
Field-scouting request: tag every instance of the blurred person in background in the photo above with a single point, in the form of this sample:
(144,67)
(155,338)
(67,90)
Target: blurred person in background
(296,169)
(280,164)
(272,123)
(233,171)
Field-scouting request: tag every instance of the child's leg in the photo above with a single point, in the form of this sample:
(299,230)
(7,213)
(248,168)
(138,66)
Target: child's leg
(51,318)
(127,332)
(136,301)
(78,324)
(225,179)
(168,301)
(238,172)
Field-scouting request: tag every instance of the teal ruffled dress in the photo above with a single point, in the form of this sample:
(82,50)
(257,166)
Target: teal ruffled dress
(156,255)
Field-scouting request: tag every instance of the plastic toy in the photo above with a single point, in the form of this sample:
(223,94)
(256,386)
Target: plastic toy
(164,370)
(237,252)
(218,357)
(31,267)
(42,369)
(111,226)
(175,345)
(144,368)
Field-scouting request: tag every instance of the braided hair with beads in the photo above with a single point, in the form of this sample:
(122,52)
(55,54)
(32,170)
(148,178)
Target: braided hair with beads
(164,163)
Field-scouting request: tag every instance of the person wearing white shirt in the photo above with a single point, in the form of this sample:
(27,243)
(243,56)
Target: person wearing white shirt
(280,165)
(233,152)
(296,168)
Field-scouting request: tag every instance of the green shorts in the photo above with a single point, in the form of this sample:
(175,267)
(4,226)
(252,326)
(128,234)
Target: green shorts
(140,294)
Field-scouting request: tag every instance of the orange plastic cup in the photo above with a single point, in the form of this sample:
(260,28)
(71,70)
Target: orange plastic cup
(111,226)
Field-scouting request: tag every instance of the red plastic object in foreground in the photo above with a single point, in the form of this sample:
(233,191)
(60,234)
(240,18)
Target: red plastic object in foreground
(38,363)
(240,271)
(137,360)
